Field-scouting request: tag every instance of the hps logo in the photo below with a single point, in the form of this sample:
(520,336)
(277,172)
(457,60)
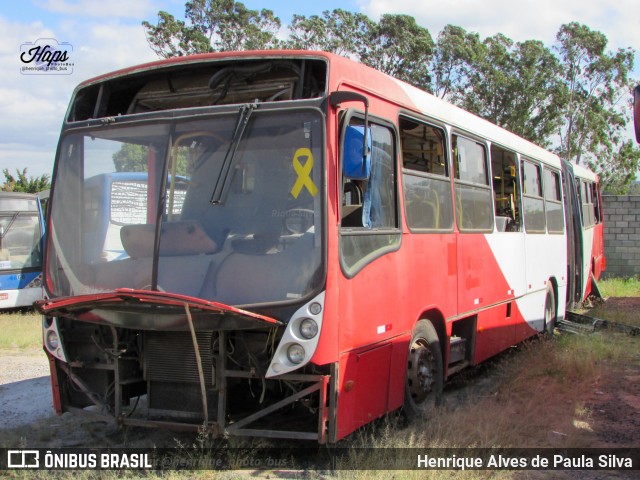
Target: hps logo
(23,459)
(46,56)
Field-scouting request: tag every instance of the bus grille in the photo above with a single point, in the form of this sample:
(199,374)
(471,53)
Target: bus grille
(170,357)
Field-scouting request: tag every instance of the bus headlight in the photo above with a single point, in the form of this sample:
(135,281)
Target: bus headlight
(53,341)
(36,282)
(300,339)
(295,353)
(308,328)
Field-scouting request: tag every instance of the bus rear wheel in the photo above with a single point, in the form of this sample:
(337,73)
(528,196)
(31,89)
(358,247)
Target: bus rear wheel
(550,315)
(424,378)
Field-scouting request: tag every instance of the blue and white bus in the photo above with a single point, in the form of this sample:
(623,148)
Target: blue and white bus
(21,239)
(115,200)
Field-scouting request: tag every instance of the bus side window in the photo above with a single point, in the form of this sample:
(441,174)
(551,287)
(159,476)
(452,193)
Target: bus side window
(595,191)
(553,201)
(588,210)
(425,177)
(533,202)
(506,193)
(368,212)
(474,206)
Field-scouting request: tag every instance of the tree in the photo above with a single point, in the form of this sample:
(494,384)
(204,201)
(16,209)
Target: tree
(401,48)
(340,32)
(455,52)
(571,97)
(516,86)
(131,158)
(617,171)
(24,184)
(212,25)
(597,82)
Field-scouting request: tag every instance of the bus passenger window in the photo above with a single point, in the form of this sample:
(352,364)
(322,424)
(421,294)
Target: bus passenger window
(588,210)
(369,206)
(506,193)
(533,203)
(595,193)
(425,177)
(474,206)
(553,201)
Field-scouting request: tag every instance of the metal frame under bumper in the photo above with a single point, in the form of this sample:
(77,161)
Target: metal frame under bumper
(220,427)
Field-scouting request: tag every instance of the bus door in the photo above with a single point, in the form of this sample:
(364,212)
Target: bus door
(371,284)
(573,207)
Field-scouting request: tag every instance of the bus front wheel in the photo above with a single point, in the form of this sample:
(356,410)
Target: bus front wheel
(424,379)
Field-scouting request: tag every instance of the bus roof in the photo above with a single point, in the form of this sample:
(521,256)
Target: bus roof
(17,195)
(349,74)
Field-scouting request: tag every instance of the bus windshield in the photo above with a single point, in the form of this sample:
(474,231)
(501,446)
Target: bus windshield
(133,207)
(19,234)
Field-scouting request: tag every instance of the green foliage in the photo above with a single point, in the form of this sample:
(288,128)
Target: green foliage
(24,184)
(516,86)
(212,25)
(617,171)
(620,287)
(455,53)
(131,158)
(340,32)
(401,48)
(594,118)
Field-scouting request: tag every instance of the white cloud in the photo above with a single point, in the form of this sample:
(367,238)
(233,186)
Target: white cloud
(100,8)
(32,107)
(520,20)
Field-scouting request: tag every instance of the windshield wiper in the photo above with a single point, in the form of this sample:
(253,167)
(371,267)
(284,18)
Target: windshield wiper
(222,184)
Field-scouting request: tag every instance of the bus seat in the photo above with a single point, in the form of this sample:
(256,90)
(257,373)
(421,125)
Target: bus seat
(271,276)
(176,238)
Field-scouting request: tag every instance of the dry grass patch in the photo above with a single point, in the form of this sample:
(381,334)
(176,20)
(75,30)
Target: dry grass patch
(539,395)
(20,330)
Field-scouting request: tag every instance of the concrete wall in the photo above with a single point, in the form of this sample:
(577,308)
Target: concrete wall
(622,235)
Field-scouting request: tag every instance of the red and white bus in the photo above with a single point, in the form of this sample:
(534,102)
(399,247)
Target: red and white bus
(342,245)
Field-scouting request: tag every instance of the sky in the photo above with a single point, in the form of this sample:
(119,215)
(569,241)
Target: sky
(105,35)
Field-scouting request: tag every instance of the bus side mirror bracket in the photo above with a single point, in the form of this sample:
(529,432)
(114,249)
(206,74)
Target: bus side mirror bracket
(357,140)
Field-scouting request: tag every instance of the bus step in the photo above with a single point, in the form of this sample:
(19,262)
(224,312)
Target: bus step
(457,349)
(457,367)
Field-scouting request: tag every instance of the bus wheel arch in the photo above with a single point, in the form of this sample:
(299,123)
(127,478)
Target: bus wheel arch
(424,381)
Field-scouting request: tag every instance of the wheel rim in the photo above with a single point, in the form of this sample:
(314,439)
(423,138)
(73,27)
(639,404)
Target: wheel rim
(420,371)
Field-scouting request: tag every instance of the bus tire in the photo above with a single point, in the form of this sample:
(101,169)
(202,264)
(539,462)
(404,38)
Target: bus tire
(550,312)
(425,374)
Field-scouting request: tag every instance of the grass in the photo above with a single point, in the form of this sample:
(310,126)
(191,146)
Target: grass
(620,306)
(20,330)
(620,287)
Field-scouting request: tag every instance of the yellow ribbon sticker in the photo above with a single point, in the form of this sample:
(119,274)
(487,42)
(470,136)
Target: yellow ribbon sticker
(304,173)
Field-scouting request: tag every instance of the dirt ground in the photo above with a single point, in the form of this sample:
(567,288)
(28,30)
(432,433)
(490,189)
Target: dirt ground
(615,404)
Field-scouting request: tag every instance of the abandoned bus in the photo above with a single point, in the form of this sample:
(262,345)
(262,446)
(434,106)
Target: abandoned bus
(21,231)
(316,244)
